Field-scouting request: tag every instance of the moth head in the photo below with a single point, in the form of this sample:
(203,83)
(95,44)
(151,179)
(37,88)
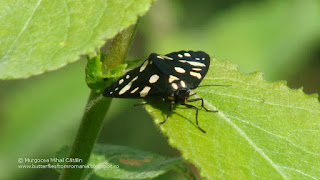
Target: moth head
(181,95)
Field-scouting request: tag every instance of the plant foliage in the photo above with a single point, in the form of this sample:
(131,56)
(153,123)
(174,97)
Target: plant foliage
(262,130)
(119,162)
(40,36)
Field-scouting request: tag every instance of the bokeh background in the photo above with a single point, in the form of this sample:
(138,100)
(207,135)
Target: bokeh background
(280,38)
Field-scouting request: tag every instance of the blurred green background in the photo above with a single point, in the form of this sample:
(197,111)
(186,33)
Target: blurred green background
(280,38)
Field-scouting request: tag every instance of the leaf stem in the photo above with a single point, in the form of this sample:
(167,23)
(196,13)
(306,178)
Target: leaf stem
(118,49)
(97,107)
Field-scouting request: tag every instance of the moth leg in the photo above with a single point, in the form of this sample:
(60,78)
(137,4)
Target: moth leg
(202,104)
(194,107)
(141,104)
(169,112)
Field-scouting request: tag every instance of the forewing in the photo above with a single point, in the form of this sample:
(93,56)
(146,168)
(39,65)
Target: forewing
(145,81)
(188,66)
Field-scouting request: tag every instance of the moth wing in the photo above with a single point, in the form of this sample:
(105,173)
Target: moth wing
(145,81)
(188,66)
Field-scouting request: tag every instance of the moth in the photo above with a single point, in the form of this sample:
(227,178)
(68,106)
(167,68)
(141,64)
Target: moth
(169,78)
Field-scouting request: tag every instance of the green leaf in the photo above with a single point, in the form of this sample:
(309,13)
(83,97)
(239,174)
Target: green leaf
(262,130)
(119,162)
(95,78)
(134,63)
(98,80)
(40,36)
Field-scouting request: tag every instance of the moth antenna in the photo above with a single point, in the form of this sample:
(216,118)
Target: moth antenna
(214,85)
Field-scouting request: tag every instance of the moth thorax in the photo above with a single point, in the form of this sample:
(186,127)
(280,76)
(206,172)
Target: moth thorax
(181,95)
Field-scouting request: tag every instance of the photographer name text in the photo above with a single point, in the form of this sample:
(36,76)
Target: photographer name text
(47,160)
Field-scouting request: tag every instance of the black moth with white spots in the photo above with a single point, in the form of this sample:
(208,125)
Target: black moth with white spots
(167,77)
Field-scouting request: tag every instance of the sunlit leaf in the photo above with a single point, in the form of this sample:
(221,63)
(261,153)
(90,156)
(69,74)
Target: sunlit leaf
(263,130)
(39,36)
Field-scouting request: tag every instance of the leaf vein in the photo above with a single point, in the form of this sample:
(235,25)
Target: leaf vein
(22,30)
(265,102)
(276,135)
(298,171)
(244,135)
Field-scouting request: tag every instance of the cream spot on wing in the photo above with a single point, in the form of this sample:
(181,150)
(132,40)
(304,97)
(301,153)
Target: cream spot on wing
(180,56)
(111,92)
(121,81)
(197,75)
(197,58)
(133,79)
(179,70)
(145,91)
(125,89)
(166,57)
(174,86)
(160,57)
(193,63)
(197,69)
(154,78)
(116,89)
(183,84)
(203,58)
(187,55)
(127,76)
(133,91)
(172,78)
(144,65)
